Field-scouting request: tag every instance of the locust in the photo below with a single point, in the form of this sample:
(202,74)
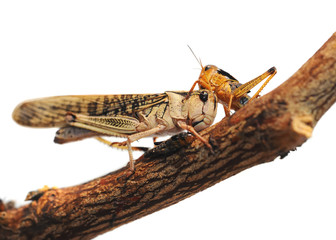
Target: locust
(231,93)
(131,116)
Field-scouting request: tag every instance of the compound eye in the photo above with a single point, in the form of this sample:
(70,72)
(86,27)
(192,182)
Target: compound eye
(207,67)
(243,100)
(203,96)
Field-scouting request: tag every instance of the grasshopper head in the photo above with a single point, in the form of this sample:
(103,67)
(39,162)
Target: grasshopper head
(207,74)
(212,77)
(202,109)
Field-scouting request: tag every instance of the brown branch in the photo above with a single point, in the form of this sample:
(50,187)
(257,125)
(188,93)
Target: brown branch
(265,129)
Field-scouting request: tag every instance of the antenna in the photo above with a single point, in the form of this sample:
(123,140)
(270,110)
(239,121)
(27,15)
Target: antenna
(198,60)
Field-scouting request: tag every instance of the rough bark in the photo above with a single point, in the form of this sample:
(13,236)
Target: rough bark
(267,128)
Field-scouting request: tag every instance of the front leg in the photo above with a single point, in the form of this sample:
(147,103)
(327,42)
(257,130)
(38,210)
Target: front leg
(192,88)
(189,128)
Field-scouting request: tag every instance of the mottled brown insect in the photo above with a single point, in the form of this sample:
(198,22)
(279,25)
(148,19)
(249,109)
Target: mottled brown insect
(132,116)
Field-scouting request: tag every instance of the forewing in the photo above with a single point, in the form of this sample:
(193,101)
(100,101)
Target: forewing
(51,111)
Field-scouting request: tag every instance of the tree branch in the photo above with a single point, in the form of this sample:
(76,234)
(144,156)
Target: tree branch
(269,127)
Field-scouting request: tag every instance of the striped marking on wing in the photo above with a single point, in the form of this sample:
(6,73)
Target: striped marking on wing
(51,111)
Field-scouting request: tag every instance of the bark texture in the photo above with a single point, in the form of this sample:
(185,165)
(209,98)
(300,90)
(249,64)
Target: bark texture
(269,127)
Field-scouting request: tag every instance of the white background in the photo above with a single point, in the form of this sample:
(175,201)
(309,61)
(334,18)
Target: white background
(102,47)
